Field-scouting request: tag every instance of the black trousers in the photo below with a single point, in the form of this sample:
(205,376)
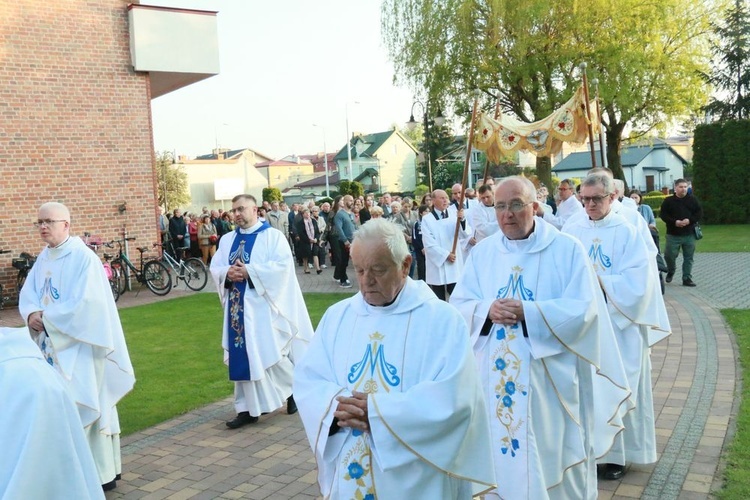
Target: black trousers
(440,290)
(342,261)
(420,265)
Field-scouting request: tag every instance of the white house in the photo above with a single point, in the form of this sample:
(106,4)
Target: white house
(647,166)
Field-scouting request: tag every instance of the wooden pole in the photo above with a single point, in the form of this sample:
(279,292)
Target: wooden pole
(487,161)
(466,170)
(599,116)
(588,114)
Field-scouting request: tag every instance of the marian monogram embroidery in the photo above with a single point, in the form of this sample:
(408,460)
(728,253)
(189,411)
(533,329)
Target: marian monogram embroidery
(508,364)
(48,293)
(373,368)
(597,255)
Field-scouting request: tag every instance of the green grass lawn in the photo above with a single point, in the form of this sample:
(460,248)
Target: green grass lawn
(175,347)
(737,473)
(729,238)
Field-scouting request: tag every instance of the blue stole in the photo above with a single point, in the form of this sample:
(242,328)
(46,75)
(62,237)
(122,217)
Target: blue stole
(239,365)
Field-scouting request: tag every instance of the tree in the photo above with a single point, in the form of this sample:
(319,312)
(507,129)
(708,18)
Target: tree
(731,69)
(173,189)
(354,188)
(525,55)
(272,194)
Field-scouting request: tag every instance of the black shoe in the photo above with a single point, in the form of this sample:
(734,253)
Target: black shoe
(613,472)
(110,485)
(118,477)
(242,418)
(688,282)
(669,277)
(291,406)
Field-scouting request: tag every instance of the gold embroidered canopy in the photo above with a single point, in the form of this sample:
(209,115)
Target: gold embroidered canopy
(500,137)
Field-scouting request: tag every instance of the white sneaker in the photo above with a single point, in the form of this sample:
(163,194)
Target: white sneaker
(346,284)
(309,266)
(324,266)
(335,278)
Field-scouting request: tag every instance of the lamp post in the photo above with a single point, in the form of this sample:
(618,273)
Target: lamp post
(325,158)
(439,121)
(348,142)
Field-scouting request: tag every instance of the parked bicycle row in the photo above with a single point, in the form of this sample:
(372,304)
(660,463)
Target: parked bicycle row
(159,275)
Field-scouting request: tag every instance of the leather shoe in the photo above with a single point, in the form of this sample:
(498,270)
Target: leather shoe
(613,472)
(110,485)
(291,406)
(242,418)
(688,282)
(669,277)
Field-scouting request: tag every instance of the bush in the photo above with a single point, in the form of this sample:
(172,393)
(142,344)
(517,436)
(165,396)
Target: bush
(654,201)
(421,190)
(272,194)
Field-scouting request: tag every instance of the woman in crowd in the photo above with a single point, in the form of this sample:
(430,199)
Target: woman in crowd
(644,210)
(308,237)
(207,238)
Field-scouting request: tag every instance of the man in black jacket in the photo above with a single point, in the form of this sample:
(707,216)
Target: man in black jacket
(177,230)
(681,212)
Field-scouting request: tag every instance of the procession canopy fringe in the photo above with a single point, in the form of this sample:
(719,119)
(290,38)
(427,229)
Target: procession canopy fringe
(501,137)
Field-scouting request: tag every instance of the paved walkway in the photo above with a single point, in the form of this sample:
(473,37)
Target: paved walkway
(694,375)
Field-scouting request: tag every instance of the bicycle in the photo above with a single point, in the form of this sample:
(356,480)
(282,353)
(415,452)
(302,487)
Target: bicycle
(153,273)
(94,242)
(3,298)
(192,270)
(23,263)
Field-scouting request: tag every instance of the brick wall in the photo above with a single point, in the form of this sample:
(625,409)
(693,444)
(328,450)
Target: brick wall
(75,123)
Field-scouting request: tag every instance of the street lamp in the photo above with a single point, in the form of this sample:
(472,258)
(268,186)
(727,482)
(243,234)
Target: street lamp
(325,158)
(348,141)
(412,123)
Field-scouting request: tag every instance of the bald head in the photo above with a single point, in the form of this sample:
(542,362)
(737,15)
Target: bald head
(54,223)
(440,199)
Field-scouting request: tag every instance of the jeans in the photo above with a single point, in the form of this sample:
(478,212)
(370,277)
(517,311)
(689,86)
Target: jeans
(674,244)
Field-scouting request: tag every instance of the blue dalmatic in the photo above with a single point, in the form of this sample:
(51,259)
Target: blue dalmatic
(239,365)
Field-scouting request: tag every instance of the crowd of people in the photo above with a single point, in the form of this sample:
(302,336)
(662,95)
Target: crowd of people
(514,364)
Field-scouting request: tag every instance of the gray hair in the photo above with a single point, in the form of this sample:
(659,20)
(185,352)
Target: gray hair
(600,179)
(528,186)
(382,231)
(619,185)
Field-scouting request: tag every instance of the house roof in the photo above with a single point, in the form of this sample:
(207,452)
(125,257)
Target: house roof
(375,142)
(630,156)
(318,161)
(333,179)
(281,163)
(229,154)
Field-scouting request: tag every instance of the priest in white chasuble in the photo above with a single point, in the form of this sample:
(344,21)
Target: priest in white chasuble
(266,326)
(541,335)
(44,450)
(388,391)
(69,309)
(622,263)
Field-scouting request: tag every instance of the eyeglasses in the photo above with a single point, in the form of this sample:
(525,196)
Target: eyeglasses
(596,199)
(47,222)
(514,207)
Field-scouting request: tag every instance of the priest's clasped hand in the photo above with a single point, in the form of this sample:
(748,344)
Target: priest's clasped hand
(506,311)
(237,272)
(352,411)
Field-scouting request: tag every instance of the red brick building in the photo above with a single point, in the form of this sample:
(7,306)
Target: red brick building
(75,121)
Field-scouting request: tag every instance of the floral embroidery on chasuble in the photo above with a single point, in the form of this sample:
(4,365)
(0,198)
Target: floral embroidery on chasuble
(375,364)
(239,364)
(509,360)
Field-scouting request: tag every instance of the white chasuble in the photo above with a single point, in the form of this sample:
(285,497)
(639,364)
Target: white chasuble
(428,419)
(437,236)
(539,388)
(622,264)
(83,340)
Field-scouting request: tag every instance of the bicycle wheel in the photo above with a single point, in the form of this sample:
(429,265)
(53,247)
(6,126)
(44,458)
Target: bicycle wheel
(157,278)
(21,279)
(196,275)
(115,288)
(118,275)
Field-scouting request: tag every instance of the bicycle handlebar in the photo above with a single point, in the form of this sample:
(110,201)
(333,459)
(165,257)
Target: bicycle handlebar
(4,251)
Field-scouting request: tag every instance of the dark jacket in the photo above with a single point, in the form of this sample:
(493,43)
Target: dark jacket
(674,209)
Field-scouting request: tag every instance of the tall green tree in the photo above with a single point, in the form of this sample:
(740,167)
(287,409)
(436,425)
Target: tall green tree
(172,180)
(730,75)
(526,55)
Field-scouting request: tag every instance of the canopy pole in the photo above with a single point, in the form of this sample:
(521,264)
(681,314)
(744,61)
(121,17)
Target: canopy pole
(466,169)
(487,160)
(588,114)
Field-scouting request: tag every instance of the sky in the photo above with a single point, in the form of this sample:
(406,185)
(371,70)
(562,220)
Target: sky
(285,66)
